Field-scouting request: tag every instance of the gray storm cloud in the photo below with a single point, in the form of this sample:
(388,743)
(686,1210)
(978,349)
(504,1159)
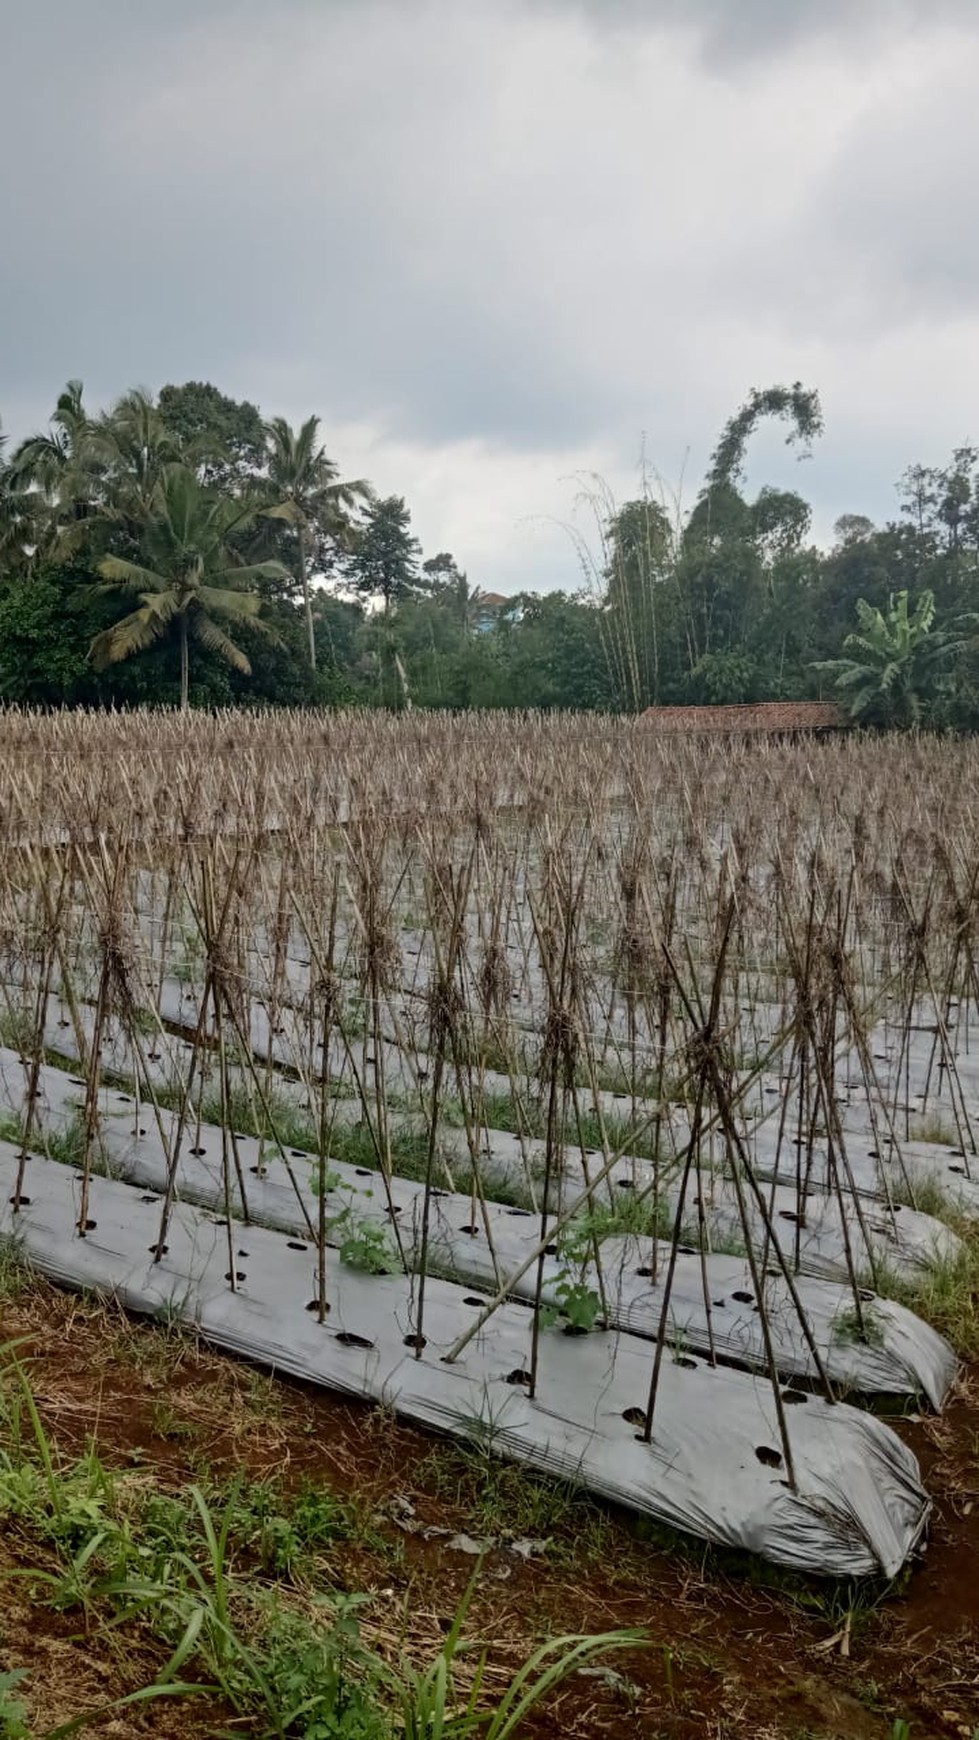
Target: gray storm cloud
(732,31)
(502,241)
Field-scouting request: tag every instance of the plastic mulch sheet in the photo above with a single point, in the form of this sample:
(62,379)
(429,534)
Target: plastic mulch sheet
(851,1505)
(898,1354)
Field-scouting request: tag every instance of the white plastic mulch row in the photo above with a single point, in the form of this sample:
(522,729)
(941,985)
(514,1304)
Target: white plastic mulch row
(899,1355)
(836,1233)
(715,1467)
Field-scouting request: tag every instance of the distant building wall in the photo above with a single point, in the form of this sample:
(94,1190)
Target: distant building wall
(487,610)
(758,718)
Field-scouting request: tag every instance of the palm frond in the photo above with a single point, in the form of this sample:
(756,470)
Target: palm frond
(68,538)
(123,576)
(227,602)
(162,605)
(180,501)
(132,635)
(284,510)
(211,636)
(249,572)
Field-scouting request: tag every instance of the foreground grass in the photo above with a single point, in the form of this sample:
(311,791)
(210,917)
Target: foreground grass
(233,1587)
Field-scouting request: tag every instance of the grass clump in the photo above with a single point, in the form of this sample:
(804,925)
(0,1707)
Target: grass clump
(936,1130)
(946,1292)
(11,1127)
(63,1141)
(926,1195)
(13,1710)
(18,1030)
(237,1589)
(502,1501)
(863,1327)
(279,1119)
(631,1216)
(14,1268)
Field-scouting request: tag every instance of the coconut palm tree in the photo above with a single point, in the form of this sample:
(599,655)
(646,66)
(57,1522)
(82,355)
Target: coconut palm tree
(17,527)
(466,603)
(450,588)
(189,582)
(64,467)
(134,445)
(309,495)
(898,660)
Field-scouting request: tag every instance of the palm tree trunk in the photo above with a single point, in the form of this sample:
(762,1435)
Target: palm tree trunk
(184,665)
(307,601)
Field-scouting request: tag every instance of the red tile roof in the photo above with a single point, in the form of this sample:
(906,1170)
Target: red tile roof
(760,716)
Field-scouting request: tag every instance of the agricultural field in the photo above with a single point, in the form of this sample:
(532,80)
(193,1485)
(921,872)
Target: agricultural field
(507,1179)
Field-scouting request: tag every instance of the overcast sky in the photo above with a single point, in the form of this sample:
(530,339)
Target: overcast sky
(498,244)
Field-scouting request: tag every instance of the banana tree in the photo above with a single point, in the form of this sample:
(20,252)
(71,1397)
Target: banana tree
(899,661)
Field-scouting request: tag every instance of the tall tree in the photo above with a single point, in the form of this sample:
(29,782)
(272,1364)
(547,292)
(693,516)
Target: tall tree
(554,652)
(17,517)
(223,439)
(307,492)
(189,580)
(728,541)
(65,467)
(797,405)
(134,444)
(451,591)
(638,565)
(385,562)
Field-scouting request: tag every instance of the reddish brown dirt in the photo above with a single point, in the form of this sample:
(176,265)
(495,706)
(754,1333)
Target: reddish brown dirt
(736,1653)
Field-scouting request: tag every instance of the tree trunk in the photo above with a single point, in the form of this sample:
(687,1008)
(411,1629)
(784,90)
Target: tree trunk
(184,665)
(307,601)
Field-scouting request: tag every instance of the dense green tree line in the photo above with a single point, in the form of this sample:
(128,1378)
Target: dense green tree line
(178,548)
